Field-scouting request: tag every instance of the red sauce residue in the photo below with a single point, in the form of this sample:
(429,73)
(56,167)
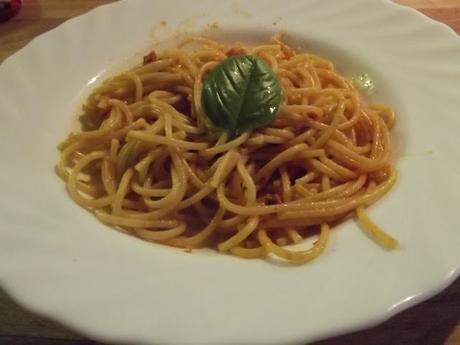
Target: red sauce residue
(150,57)
(287,52)
(235,51)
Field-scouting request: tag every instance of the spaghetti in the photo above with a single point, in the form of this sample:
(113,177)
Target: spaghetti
(145,162)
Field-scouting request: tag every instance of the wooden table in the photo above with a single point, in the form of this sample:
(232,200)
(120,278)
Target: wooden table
(434,322)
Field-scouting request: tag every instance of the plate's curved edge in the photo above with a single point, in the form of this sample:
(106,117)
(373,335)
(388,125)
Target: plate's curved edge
(396,309)
(18,299)
(70,21)
(393,310)
(53,317)
(446,28)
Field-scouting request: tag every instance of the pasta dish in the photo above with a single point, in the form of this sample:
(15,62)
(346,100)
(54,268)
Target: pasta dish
(244,149)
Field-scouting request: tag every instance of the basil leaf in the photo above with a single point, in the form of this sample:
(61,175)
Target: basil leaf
(241,93)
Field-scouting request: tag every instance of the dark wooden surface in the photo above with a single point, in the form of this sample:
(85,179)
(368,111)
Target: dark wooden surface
(434,322)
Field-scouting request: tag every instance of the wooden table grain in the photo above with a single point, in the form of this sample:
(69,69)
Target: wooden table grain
(434,322)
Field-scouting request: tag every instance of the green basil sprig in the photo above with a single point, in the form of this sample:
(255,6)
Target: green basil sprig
(241,93)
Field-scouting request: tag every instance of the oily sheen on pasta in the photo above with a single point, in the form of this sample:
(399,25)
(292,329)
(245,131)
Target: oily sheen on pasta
(146,162)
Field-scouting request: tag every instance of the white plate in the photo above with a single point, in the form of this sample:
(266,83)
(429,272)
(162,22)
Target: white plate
(58,260)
